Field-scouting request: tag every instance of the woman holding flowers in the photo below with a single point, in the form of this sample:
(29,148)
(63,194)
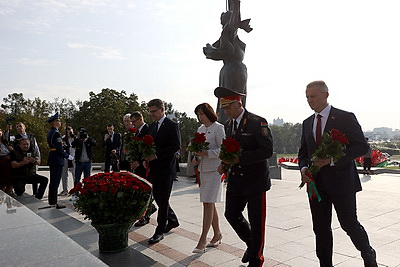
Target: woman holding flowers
(210,180)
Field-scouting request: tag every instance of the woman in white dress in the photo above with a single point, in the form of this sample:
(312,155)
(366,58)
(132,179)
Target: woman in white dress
(210,179)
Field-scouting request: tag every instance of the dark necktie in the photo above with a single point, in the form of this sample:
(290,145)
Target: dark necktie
(156,129)
(318,130)
(234,127)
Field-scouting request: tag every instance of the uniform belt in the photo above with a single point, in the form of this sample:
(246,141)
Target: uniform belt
(52,149)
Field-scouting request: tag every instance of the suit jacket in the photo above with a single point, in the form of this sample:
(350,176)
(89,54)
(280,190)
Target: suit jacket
(251,174)
(343,177)
(168,142)
(114,144)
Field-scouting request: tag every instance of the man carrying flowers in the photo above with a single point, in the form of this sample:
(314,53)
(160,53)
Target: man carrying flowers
(140,130)
(167,141)
(335,175)
(248,173)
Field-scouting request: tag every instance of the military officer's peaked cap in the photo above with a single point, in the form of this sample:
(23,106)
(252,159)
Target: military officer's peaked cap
(54,117)
(227,96)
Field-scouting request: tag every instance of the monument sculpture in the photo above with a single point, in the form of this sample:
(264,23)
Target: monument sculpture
(230,49)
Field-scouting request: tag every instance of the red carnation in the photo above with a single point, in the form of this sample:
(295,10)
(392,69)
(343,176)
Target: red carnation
(199,138)
(77,187)
(231,145)
(148,140)
(103,188)
(133,130)
(113,190)
(339,136)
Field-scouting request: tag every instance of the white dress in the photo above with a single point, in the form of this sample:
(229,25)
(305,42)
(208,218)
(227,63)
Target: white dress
(210,179)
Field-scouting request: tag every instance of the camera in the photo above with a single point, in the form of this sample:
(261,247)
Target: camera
(29,155)
(83,133)
(9,120)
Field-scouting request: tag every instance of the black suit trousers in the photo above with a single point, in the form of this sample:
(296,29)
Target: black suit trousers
(345,207)
(162,186)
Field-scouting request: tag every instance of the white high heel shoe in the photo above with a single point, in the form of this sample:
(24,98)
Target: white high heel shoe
(199,250)
(214,245)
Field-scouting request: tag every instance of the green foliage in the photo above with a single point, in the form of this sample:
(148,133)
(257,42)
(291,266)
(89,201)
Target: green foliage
(108,106)
(188,126)
(287,138)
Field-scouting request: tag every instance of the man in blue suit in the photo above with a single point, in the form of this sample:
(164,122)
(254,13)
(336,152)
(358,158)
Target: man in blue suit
(162,166)
(337,183)
(55,159)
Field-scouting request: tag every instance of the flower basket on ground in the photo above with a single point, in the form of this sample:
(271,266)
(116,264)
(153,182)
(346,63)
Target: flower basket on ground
(113,202)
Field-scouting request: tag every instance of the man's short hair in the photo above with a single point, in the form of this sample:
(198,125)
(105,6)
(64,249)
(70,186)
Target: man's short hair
(127,115)
(24,139)
(110,125)
(137,115)
(320,84)
(158,103)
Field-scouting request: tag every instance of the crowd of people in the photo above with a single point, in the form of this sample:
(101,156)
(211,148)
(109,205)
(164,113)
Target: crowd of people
(248,172)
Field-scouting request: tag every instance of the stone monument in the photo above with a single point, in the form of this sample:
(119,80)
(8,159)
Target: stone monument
(230,49)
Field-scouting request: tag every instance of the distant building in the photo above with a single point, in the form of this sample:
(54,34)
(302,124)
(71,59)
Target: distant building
(278,122)
(383,133)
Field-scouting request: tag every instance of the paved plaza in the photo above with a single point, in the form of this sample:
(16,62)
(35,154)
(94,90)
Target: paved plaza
(289,237)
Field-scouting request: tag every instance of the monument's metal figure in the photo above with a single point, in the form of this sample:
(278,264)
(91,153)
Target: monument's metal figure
(230,49)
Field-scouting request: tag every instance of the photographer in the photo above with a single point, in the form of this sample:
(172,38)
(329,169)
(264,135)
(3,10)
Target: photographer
(112,146)
(23,162)
(83,154)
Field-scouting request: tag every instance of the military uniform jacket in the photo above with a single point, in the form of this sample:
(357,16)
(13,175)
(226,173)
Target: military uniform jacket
(57,153)
(251,174)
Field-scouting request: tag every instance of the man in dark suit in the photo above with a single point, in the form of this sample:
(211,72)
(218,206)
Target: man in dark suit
(112,144)
(337,183)
(137,165)
(162,167)
(249,176)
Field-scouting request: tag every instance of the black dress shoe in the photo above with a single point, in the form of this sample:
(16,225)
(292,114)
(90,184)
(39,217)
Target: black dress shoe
(142,222)
(246,256)
(59,206)
(156,238)
(170,226)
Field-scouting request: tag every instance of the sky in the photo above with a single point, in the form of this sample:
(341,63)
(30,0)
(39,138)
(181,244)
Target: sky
(153,48)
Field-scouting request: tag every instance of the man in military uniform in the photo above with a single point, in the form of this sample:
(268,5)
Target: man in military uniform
(56,158)
(249,176)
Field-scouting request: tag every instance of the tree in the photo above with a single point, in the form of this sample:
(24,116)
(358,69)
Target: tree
(188,126)
(108,106)
(286,138)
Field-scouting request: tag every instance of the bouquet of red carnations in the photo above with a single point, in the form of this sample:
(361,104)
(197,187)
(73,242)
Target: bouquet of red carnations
(197,144)
(132,145)
(230,150)
(332,146)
